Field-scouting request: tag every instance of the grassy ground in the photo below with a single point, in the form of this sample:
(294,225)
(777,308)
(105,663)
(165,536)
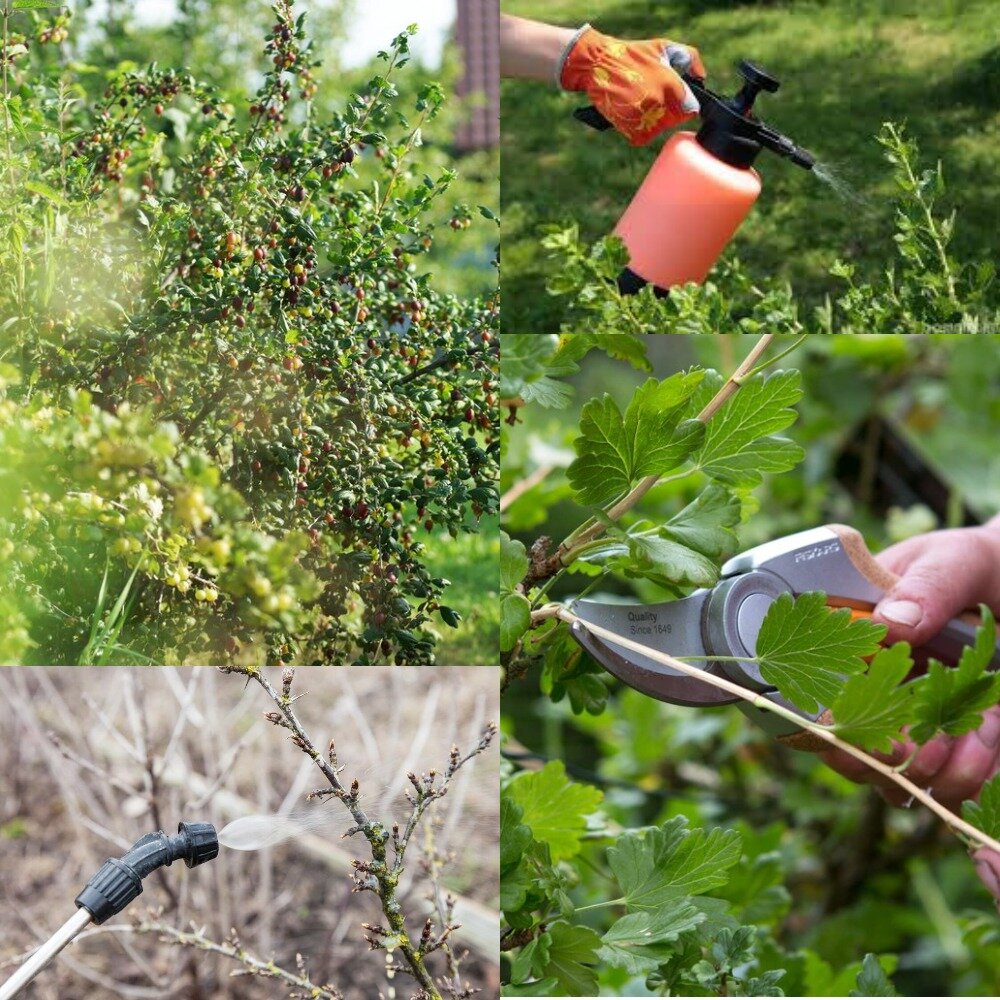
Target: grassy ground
(470,563)
(846,66)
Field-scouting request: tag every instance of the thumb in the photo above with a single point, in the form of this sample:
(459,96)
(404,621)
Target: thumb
(934,588)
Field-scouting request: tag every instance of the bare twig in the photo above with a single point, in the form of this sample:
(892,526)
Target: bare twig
(825,733)
(433,862)
(234,950)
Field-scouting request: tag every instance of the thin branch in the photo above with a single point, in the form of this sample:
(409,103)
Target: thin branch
(234,950)
(759,701)
(528,483)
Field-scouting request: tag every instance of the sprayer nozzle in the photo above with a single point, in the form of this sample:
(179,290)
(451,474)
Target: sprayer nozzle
(119,880)
(201,843)
(803,158)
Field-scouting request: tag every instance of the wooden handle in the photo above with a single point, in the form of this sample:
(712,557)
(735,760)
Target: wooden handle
(873,571)
(864,562)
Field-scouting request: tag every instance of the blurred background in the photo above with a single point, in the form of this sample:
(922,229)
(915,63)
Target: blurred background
(846,66)
(92,759)
(900,437)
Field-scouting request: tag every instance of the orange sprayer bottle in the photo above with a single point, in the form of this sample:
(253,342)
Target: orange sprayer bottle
(700,188)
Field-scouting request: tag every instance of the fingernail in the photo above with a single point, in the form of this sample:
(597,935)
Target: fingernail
(690,104)
(907,613)
(989,877)
(989,732)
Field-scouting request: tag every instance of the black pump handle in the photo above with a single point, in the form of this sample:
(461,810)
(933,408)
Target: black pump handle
(589,115)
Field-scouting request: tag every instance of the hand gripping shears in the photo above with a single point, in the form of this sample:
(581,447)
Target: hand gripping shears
(725,620)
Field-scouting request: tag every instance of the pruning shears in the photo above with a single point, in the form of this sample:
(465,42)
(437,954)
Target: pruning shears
(725,620)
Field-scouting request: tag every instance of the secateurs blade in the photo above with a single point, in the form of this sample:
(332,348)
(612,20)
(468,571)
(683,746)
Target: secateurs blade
(724,621)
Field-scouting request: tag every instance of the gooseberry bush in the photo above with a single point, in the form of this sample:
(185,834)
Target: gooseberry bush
(924,288)
(234,398)
(689,904)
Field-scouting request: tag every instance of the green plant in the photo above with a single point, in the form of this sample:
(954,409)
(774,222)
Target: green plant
(682,917)
(221,330)
(925,290)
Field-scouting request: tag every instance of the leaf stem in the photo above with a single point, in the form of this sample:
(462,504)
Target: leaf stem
(957,824)
(598,906)
(799,341)
(567,553)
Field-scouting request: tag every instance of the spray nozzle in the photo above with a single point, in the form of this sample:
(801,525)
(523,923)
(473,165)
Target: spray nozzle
(119,880)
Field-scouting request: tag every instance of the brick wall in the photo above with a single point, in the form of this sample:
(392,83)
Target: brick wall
(477,31)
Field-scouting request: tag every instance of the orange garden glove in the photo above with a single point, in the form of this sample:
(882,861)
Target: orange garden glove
(635,85)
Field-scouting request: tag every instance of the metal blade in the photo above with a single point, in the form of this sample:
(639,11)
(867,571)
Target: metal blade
(673,627)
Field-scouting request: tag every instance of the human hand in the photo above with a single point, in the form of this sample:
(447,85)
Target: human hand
(941,574)
(636,85)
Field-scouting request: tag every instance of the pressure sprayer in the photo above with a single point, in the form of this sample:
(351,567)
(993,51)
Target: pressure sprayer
(115,885)
(701,186)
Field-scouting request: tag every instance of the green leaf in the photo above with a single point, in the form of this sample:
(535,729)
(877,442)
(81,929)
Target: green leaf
(630,347)
(532,959)
(804,649)
(872,980)
(639,942)
(738,445)
(615,450)
(515,619)
(515,836)
(449,616)
(528,371)
(649,554)
(872,708)
(656,865)
(547,392)
(655,555)
(513,562)
(541,988)
(985,814)
(733,947)
(33,4)
(572,955)
(515,609)
(706,523)
(952,699)
(554,807)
